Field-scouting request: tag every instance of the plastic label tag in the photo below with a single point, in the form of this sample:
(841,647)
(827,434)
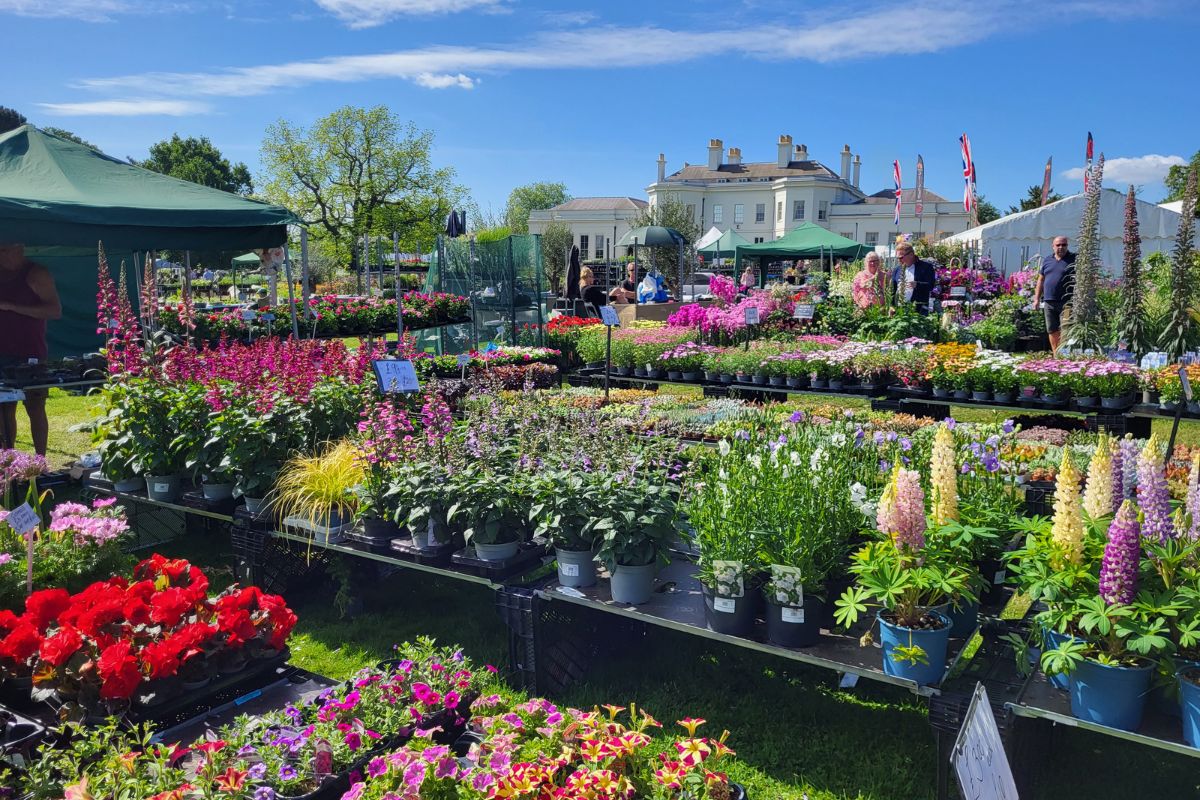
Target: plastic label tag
(162,488)
(726,605)
(268,317)
(22,519)
(999,577)
(322,758)
(11,395)
(569,570)
(794,616)
(463,359)
(608,315)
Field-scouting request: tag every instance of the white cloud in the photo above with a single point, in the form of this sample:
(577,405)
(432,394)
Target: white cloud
(127,108)
(431,81)
(569,19)
(1151,168)
(369,13)
(86,10)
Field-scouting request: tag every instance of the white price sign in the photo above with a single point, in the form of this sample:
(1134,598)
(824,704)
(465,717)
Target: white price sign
(958,291)
(248,315)
(725,605)
(978,757)
(804,311)
(22,519)
(569,570)
(463,359)
(608,315)
(396,376)
(11,395)
(792,616)
(752,315)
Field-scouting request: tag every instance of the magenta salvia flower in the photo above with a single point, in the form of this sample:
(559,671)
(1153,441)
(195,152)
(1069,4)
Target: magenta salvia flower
(1118,570)
(1153,495)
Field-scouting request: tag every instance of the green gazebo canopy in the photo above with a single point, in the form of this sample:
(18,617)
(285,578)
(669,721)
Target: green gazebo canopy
(726,246)
(805,241)
(246,260)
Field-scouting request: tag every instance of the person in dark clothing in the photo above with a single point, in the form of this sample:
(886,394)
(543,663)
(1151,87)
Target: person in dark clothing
(588,289)
(1055,283)
(627,291)
(913,278)
(28,298)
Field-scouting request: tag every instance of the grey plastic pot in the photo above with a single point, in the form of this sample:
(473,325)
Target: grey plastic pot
(426,538)
(254,505)
(164,488)
(496,552)
(576,568)
(217,491)
(129,485)
(633,585)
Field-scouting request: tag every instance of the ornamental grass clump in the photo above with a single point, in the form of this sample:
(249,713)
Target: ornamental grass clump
(1153,494)
(1098,497)
(1067,531)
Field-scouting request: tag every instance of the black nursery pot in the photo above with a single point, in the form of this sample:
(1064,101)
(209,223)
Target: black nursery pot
(795,627)
(380,529)
(738,620)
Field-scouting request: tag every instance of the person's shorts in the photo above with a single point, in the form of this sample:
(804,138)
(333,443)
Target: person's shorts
(1054,314)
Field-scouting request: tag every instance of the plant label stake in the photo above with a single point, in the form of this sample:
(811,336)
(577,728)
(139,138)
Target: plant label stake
(804,311)
(751,319)
(608,315)
(23,520)
(978,757)
(1187,397)
(395,377)
(463,360)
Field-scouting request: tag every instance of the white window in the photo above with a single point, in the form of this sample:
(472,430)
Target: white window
(760,212)
(872,239)
(583,244)
(797,209)
(691,211)
(758,239)
(739,213)
(718,213)
(743,180)
(599,247)
(779,211)
(823,210)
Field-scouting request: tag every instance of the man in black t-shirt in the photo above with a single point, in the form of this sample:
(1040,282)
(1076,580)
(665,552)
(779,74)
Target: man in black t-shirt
(627,291)
(1054,286)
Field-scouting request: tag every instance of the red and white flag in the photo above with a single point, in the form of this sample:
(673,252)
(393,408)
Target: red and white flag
(899,191)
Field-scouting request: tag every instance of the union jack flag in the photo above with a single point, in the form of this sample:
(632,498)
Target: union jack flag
(1087,171)
(899,192)
(968,174)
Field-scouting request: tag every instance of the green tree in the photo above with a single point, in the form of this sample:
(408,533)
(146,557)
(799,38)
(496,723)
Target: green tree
(670,212)
(532,197)
(1176,180)
(198,161)
(10,118)
(62,133)
(986,210)
(359,171)
(556,245)
(1033,199)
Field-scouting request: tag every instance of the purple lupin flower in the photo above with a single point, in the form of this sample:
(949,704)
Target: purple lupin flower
(1118,476)
(1118,570)
(1129,461)
(1153,496)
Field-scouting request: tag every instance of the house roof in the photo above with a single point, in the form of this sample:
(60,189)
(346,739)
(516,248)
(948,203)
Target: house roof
(753,171)
(888,196)
(601,204)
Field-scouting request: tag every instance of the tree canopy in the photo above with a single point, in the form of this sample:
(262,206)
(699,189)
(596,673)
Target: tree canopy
(359,171)
(532,197)
(1176,180)
(986,210)
(1033,199)
(199,161)
(556,243)
(10,118)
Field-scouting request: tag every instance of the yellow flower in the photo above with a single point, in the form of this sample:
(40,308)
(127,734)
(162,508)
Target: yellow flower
(1098,497)
(1067,532)
(943,477)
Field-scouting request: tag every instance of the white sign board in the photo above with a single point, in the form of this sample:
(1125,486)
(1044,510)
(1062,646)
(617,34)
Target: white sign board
(608,315)
(248,315)
(396,376)
(979,759)
(464,359)
(11,395)
(752,315)
(804,311)
(958,291)
(22,519)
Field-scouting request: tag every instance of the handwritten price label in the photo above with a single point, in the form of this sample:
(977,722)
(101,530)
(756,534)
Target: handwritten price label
(22,519)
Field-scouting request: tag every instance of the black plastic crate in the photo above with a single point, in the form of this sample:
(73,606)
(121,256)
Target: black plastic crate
(196,499)
(261,521)
(1119,425)
(879,404)
(247,541)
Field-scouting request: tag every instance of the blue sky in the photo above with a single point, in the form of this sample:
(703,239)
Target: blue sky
(589,94)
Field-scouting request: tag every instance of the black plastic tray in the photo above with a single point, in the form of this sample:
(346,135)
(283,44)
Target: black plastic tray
(526,558)
(372,544)
(438,556)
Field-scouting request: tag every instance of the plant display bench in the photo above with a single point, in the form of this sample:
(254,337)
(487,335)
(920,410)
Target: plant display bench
(155,521)
(678,604)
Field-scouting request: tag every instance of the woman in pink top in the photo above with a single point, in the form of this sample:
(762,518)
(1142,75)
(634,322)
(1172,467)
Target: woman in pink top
(28,298)
(867,289)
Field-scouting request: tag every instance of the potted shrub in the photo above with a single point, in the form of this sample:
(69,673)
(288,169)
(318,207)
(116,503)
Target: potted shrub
(493,511)
(906,576)
(119,458)
(1005,385)
(256,445)
(161,422)
(317,492)
(421,496)
(638,526)
(979,379)
(381,433)
(565,505)
(1149,385)
(1116,383)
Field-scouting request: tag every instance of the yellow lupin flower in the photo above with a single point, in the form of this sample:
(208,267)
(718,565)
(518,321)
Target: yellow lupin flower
(1098,496)
(943,477)
(1067,532)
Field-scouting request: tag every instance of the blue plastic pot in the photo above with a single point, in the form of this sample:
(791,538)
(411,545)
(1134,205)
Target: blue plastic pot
(1165,697)
(1112,696)
(1190,693)
(1054,639)
(933,642)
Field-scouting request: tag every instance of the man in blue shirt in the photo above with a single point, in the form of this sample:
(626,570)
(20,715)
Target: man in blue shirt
(1054,287)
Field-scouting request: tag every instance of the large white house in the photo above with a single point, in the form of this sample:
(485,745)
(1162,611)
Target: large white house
(596,223)
(763,200)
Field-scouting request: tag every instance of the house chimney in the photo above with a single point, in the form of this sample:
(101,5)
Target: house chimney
(662,167)
(801,153)
(735,155)
(845,162)
(714,153)
(784,150)
(857,167)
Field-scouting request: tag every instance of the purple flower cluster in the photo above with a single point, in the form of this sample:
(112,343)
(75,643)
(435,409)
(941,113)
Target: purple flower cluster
(1118,570)
(1153,495)
(91,526)
(17,466)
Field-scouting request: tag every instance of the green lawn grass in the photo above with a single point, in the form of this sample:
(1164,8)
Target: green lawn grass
(67,411)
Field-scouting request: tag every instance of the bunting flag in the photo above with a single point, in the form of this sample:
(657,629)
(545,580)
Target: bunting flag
(920,188)
(899,191)
(968,174)
(1087,170)
(1046,182)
